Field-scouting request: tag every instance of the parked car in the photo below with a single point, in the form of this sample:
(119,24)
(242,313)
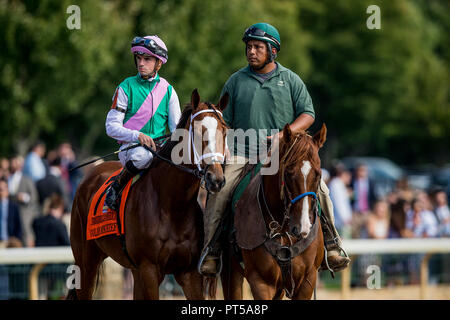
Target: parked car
(383,172)
(441,179)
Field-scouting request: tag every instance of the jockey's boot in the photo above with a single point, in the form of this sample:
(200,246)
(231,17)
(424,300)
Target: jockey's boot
(333,259)
(128,172)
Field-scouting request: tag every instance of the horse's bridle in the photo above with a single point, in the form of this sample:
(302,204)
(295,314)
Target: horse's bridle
(285,195)
(198,172)
(217,156)
(284,254)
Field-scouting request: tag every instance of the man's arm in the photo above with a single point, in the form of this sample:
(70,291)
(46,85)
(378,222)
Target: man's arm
(303,122)
(174,110)
(115,117)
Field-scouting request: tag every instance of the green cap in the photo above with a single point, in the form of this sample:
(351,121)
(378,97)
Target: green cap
(263,32)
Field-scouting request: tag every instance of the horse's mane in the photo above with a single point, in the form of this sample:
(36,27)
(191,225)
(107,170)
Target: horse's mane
(166,149)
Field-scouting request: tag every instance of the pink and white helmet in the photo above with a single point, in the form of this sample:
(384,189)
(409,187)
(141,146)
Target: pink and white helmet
(151,45)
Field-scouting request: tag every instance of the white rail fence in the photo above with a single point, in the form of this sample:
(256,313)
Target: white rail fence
(45,255)
(426,246)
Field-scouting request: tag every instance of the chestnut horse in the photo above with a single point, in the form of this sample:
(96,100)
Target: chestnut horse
(291,248)
(163,221)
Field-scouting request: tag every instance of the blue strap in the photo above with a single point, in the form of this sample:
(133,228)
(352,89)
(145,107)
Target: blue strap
(304,195)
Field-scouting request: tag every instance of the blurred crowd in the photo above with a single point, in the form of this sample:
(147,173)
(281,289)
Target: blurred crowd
(402,213)
(36,194)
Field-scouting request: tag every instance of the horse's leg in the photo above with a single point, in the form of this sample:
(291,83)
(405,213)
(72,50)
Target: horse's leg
(306,288)
(89,261)
(88,257)
(150,278)
(138,289)
(232,280)
(261,289)
(192,284)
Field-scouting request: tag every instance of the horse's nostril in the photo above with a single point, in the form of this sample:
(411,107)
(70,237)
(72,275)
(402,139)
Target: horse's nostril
(295,231)
(209,175)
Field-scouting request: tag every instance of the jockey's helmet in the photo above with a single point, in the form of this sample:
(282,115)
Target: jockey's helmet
(150,45)
(264,32)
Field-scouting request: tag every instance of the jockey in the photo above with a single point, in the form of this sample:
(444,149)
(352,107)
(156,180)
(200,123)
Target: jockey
(143,107)
(277,96)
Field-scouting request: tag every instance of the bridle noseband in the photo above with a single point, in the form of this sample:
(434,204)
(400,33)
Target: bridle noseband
(217,156)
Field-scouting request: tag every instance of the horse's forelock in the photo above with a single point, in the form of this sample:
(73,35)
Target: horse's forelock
(303,149)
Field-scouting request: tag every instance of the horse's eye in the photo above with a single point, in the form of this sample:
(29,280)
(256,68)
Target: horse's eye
(290,172)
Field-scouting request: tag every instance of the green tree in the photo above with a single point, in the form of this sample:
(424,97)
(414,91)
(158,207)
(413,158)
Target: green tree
(55,82)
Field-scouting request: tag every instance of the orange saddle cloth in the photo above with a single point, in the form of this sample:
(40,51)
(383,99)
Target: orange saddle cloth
(102,221)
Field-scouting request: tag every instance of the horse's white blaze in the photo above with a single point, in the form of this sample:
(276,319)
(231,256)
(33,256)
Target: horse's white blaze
(210,123)
(304,220)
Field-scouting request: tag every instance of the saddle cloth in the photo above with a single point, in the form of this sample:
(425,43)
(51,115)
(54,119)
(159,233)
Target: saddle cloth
(102,220)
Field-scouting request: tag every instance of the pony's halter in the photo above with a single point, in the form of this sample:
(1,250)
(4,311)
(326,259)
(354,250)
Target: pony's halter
(216,156)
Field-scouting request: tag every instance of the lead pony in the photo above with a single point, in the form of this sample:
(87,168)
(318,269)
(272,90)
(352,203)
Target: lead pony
(163,221)
(278,230)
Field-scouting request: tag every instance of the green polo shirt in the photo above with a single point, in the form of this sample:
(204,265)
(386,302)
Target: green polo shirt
(270,104)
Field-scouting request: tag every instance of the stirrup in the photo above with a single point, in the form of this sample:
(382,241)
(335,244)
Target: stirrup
(326,258)
(326,263)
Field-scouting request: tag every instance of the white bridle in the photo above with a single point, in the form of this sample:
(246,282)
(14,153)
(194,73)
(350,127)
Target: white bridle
(217,156)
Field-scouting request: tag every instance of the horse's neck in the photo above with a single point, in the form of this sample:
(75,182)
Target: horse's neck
(175,184)
(272,196)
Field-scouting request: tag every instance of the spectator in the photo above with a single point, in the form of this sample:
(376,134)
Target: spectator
(71,179)
(378,221)
(404,190)
(34,166)
(53,183)
(49,229)
(340,198)
(4,168)
(397,225)
(10,224)
(442,213)
(23,191)
(363,190)
(363,199)
(420,221)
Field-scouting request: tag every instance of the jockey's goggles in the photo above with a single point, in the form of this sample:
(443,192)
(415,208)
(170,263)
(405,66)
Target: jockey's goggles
(151,45)
(256,32)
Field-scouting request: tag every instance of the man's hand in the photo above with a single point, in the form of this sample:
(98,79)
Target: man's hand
(278,136)
(146,140)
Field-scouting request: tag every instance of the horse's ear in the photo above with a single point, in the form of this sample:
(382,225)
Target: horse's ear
(195,99)
(287,133)
(223,102)
(320,137)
